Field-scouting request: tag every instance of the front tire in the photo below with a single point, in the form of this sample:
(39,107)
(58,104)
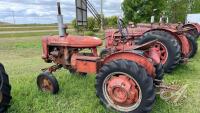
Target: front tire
(46,82)
(121,74)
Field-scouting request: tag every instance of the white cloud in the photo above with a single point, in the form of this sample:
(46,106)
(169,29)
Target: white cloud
(26,11)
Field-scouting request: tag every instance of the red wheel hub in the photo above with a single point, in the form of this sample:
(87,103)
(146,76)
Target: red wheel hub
(46,85)
(163,52)
(122,90)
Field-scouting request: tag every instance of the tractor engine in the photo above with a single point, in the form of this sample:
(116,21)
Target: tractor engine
(76,53)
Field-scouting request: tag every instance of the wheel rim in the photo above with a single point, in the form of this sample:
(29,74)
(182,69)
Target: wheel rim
(122,92)
(163,52)
(46,85)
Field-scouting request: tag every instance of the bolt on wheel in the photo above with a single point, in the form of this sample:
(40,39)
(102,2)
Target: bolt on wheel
(163,50)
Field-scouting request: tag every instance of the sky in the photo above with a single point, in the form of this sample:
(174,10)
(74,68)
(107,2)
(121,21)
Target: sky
(44,11)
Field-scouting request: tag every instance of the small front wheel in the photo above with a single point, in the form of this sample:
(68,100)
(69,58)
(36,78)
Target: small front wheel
(46,82)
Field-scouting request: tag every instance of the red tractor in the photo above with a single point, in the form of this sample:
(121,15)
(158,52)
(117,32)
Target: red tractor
(5,90)
(193,29)
(124,79)
(186,36)
(176,45)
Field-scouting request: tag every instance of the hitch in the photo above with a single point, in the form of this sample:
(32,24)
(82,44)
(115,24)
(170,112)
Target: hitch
(52,68)
(171,93)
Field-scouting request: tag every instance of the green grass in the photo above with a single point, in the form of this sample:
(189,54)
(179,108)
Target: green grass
(25,25)
(18,35)
(22,59)
(28,29)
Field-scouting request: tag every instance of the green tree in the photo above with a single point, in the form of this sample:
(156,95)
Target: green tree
(142,10)
(195,6)
(177,10)
(91,25)
(110,21)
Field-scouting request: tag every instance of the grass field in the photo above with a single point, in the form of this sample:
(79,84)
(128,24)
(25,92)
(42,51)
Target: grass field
(27,28)
(25,25)
(22,59)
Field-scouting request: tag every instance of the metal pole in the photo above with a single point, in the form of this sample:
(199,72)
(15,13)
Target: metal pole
(61,28)
(13,15)
(102,16)
(122,14)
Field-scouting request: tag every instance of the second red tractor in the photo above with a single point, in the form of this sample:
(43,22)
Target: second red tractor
(176,43)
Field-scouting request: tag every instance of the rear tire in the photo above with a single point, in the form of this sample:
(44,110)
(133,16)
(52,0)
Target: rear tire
(193,45)
(136,72)
(5,90)
(169,41)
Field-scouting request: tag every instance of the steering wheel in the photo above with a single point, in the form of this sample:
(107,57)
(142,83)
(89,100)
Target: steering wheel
(122,28)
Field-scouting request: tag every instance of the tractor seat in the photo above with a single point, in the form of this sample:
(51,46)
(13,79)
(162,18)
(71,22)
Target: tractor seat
(75,41)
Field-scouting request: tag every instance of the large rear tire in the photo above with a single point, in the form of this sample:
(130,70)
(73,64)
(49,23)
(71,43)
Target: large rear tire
(5,93)
(112,82)
(193,45)
(172,54)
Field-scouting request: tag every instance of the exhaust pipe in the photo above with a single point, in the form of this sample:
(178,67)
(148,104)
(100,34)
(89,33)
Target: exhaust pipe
(61,26)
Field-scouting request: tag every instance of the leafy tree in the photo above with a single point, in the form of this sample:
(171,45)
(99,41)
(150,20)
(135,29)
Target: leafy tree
(91,25)
(177,10)
(142,10)
(195,6)
(110,21)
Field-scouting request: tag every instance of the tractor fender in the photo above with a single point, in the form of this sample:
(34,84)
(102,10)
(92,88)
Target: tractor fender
(171,31)
(44,48)
(137,58)
(182,39)
(195,25)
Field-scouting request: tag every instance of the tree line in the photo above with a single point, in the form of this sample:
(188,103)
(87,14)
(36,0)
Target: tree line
(138,11)
(142,10)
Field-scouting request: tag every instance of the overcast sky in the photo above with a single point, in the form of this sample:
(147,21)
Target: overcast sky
(44,11)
